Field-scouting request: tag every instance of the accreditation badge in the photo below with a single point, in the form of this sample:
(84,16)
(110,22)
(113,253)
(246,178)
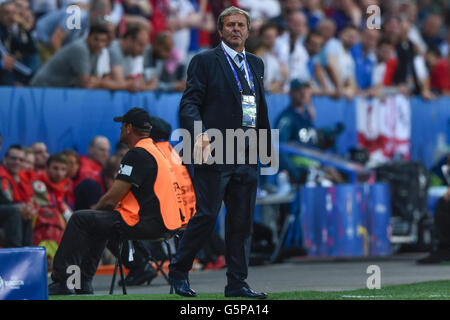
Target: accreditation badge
(248,111)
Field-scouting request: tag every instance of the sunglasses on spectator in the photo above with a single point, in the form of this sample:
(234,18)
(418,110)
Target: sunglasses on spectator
(16,158)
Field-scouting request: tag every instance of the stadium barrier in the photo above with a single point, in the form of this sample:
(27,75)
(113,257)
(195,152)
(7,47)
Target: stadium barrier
(69,118)
(349,220)
(23,274)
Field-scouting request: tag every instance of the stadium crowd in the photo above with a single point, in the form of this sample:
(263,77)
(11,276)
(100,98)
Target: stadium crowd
(138,45)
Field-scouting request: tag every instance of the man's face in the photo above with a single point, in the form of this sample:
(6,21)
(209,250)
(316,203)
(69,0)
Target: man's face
(235,31)
(40,154)
(99,152)
(301,96)
(97,41)
(269,37)
(72,166)
(349,37)
(7,14)
(29,161)
(314,45)
(139,44)
(163,50)
(13,161)
(370,38)
(297,24)
(56,171)
(384,52)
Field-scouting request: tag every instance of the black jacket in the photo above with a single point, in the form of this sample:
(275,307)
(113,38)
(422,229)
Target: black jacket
(212,96)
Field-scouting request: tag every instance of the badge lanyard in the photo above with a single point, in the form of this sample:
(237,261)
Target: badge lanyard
(236,75)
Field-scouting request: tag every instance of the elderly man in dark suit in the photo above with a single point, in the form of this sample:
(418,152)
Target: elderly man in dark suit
(224,91)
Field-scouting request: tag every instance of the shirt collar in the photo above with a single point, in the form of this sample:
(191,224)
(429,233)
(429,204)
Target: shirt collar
(231,52)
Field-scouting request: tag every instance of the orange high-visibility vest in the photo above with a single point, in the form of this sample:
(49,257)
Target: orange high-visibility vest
(185,188)
(165,189)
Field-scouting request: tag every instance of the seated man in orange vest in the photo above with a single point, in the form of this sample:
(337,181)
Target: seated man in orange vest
(142,204)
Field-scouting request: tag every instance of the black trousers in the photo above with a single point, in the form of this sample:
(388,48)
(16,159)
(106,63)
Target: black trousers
(236,186)
(86,236)
(18,232)
(442,223)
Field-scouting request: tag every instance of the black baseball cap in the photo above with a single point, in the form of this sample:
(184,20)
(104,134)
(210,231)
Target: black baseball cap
(138,117)
(299,84)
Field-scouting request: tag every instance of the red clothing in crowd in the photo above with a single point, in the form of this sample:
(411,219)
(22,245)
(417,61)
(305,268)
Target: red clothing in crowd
(60,194)
(21,191)
(440,75)
(391,65)
(89,169)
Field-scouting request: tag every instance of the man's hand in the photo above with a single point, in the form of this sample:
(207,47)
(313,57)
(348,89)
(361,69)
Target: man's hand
(8,62)
(446,196)
(27,211)
(202,149)
(179,86)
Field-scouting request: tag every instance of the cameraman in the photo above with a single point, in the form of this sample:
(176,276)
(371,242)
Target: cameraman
(296,124)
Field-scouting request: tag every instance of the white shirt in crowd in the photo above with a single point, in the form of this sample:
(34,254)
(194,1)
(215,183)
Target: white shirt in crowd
(297,60)
(272,69)
(182,37)
(260,9)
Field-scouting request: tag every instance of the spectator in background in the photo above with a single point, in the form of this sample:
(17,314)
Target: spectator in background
(10,217)
(90,190)
(431,30)
(296,123)
(346,13)
(104,61)
(40,154)
(41,7)
(91,165)
(29,159)
(75,65)
(326,28)
(290,50)
(410,12)
(364,55)
(287,8)
(445,45)
(275,73)
(313,45)
(59,186)
(121,149)
(313,12)
(73,163)
(17,191)
(127,62)
(383,72)
(261,9)
(410,75)
(163,65)
(135,12)
(53,31)
(16,23)
(439,70)
(338,64)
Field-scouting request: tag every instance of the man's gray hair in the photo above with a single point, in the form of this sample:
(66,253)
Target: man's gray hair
(229,12)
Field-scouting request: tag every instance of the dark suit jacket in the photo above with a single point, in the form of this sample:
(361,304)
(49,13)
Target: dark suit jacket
(212,96)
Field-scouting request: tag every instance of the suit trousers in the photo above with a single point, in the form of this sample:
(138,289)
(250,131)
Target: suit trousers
(236,187)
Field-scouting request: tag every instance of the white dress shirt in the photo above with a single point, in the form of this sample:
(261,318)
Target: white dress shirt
(233,55)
